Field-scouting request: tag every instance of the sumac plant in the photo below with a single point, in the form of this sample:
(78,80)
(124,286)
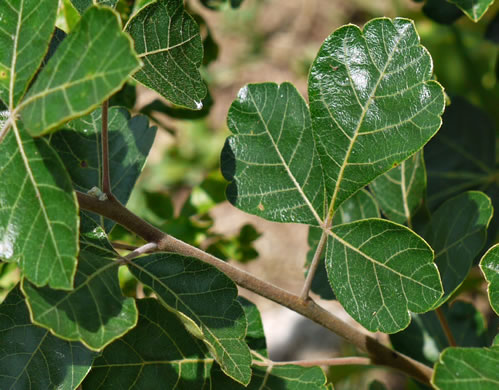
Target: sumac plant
(394,232)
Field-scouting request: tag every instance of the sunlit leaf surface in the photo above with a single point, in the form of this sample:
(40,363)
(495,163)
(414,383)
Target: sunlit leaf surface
(490,268)
(82,5)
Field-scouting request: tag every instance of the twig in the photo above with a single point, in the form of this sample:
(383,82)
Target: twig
(379,353)
(313,266)
(106,181)
(347,361)
(446,327)
(146,248)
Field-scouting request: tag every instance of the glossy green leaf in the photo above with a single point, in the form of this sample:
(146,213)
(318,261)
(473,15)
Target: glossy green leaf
(255,335)
(473,9)
(467,368)
(79,146)
(379,271)
(167,40)
(360,206)
(158,353)
(424,339)
(372,102)
(38,211)
(90,65)
(271,161)
(32,358)
(205,301)
(457,232)
(400,191)
(490,268)
(95,312)
(25,30)
(82,5)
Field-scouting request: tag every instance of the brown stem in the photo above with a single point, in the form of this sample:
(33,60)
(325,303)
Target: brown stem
(446,327)
(106,180)
(378,353)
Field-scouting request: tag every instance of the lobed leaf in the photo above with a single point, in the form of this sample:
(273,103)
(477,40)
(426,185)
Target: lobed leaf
(82,5)
(167,39)
(379,271)
(458,237)
(25,30)
(95,312)
(489,264)
(92,63)
(473,9)
(38,211)
(32,358)
(204,299)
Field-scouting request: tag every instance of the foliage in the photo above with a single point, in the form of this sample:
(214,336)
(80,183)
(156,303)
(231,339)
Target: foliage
(396,181)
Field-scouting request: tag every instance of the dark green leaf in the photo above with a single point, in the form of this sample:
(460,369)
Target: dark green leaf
(82,5)
(473,9)
(372,101)
(379,271)
(490,268)
(95,312)
(38,211)
(255,335)
(126,97)
(377,385)
(157,354)
(205,301)
(467,368)
(492,32)
(167,39)
(219,4)
(441,11)
(457,232)
(32,358)
(26,27)
(400,191)
(90,65)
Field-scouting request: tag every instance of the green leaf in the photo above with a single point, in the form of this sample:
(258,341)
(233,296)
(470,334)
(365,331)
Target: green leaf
(157,354)
(32,358)
(424,339)
(79,146)
(95,312)
(467,368)
(167,39)
(377,385)
(441,11)
(473,9)
(457,232)
(220,4)
(379,271)
(90,65)
(372,102)
(400,191)
(38,211)
(490,268)
(82,5)
(25,30)
(271,161)
(204,299)
(255,335)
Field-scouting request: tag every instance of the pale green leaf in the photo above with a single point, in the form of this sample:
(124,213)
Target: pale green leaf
(490,268)
(38,211)
(379,271)
(473,9)
(95,312)
(372,102)
(168,41)
(25,30)
(271,161)
(157,354)
(400,191)
(457,232)
(82,5)
(92,63)
(32,358)
(205,301)
(467,368)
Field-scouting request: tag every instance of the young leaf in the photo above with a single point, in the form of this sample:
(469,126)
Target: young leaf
(157,354)
(474,9)
(372,102)
(26,27)
(271,160)
(90,65)
(457,232)
(167,39)
(31,357)
(82,5)
(490,268)
(38,213)
(95,312)
(467,368)
(204,299)
(379,271)
(400,190)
